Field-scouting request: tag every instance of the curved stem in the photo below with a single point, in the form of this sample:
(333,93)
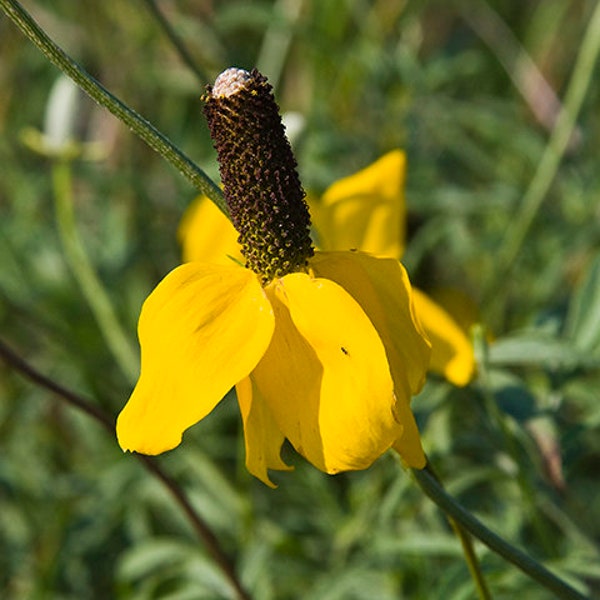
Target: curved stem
(83,271)
(140,126)
(429,484)
(203,531)
(552,156)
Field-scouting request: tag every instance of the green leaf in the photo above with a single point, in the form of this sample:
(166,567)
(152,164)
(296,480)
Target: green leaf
(532,349)
(148,557)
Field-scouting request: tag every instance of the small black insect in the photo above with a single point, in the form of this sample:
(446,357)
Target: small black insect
(344,351)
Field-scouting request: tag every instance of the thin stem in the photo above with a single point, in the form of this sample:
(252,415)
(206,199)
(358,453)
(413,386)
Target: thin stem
(431,487)
(471,559)
(17,363)
(553,154)
(203,531)
(468,550)
(200,527)
(83,271)
(142,128)
(178,44)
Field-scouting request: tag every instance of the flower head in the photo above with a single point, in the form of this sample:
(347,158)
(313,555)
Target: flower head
(366,211)
(258,172)
(323,348)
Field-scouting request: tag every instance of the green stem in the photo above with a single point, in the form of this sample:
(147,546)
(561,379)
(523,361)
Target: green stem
(83,271)
(468,550)
(100,94)
(471,559)
(431,487)
(553,154)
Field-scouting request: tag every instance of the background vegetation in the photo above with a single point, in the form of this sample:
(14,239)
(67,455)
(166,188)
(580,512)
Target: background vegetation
(451,84)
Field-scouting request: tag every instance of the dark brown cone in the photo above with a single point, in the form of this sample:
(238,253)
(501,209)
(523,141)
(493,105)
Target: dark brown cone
(258,172)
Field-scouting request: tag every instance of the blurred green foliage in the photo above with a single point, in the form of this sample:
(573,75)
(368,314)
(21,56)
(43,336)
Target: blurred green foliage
(519,447)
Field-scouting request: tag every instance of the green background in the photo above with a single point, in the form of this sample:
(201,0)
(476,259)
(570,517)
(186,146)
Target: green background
(450,83)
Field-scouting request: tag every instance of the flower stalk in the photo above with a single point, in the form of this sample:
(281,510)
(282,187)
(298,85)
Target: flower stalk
(432,488)
(140,126)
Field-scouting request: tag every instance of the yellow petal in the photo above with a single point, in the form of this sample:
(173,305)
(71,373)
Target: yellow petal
(263,439)
(366,210)
(203,329)
(409,444)
(451,350)
(326,377)
(382,288)
(207,235)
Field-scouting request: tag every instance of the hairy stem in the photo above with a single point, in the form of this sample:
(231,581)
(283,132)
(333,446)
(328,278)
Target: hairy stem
(140,126)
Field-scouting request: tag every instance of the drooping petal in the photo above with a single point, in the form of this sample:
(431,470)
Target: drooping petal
(366,210)
(262,436)
(408,445)
(325,376)
(203,329)
(382,288)
(451,352)
(207,235)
